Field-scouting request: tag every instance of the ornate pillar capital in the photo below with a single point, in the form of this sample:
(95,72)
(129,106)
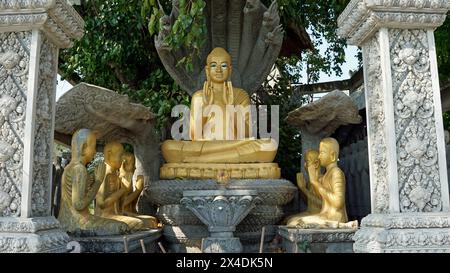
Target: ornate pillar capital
(56,18)
(363,18)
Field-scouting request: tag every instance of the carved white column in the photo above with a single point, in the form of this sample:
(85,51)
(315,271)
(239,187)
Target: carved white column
(31,34)
(408,172)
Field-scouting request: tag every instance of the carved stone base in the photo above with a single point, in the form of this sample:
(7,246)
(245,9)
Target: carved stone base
(222,245)
(211,171)
(406,232)
(183,231)
(32,235)
(116,244)
(316,240)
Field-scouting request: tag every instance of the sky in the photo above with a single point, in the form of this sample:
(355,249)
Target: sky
(62,87)
(351,64)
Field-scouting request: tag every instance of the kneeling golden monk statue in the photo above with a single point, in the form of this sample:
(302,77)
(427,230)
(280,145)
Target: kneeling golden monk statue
(330,188)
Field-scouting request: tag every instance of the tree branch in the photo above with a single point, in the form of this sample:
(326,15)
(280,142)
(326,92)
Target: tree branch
(120,76)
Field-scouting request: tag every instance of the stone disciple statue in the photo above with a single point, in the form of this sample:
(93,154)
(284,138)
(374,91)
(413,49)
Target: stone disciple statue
(78,191)
(129,200)
(330,188)
(220,136)
(110,193)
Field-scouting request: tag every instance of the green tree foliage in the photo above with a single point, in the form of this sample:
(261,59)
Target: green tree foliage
(117,52)
(320,19)
(443,50)
(188,29)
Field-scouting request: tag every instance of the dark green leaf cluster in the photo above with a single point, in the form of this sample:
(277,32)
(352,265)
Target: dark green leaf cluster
(443,50)
(188,29)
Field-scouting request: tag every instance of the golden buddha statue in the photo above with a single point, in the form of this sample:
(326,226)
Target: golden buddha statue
(78,191)
(313,200)
(129,200)
(331,189)
(110,192)
(220,136)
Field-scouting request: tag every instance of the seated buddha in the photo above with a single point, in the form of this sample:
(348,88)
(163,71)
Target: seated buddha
(220,132)
(330,188)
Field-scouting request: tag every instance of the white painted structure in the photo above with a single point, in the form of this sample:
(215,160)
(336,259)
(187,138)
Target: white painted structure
(408,171)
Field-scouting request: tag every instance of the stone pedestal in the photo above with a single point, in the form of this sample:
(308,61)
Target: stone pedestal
(183,231)
(116,244)
(404,232)
(316,240)
(408,172)
(31,34)
(221,210)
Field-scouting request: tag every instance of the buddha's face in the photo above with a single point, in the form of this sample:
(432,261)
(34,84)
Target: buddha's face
(89,148)
(113,155)
(326,154)
(219,68)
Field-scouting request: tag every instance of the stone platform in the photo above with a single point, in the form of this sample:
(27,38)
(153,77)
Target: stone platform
(316,240)
(32,235)
(183,231)
(116,244)
(404,233)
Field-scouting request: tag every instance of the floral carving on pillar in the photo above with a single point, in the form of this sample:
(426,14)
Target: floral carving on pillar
(415,125)
(14,59)
(376,123)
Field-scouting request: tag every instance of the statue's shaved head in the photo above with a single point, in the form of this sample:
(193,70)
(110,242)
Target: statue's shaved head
(332,144)
(218,52)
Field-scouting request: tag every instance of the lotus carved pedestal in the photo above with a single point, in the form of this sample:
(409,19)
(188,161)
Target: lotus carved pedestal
(221,211)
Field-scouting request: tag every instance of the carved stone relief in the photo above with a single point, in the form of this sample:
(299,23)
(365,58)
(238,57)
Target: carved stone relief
(376,121)
(415,128)
(43,150)
(14,59)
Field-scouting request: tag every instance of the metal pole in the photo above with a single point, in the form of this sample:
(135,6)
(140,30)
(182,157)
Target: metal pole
(125,242)
(261,245)
(161,247)
(143,246)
